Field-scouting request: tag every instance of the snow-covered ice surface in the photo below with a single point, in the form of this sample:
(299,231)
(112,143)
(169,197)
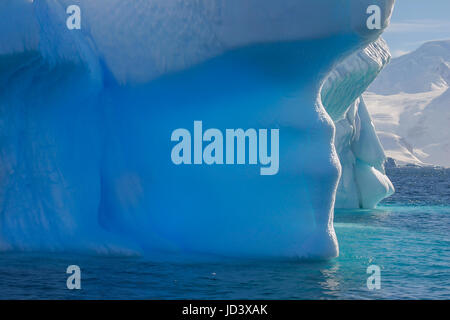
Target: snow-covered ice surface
(410,105)
(86,118)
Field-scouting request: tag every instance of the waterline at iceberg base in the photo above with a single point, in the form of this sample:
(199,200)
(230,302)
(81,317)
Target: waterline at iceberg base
(87,116)
(409,244)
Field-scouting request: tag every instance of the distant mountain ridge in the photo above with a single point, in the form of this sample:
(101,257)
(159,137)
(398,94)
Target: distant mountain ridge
(422,70)
(410,105)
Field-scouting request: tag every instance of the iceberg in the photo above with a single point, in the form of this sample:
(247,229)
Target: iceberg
(86,118)
(363,182)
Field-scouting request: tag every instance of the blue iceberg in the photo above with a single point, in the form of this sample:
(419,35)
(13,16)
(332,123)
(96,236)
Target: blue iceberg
(86,119)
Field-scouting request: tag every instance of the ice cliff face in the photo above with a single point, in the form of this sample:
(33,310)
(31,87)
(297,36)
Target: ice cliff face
(86,118)
(363,180)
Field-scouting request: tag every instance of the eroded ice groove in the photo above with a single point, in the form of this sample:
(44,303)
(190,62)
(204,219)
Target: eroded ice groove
(363,182)
(86,118)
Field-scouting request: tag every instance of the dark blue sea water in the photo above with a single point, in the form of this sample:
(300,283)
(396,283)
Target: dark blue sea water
(408,237)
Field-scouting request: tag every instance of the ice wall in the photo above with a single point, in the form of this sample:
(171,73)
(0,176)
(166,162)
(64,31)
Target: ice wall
(363,182)
(86,118)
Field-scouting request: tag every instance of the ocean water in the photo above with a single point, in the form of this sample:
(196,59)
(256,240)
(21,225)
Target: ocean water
(407,236)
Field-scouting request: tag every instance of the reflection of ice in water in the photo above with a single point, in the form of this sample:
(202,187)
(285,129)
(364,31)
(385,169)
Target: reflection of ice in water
(332,281)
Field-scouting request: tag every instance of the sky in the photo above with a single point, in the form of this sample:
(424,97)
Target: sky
(415,22)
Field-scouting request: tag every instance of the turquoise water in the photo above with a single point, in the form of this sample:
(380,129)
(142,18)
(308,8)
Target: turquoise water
(409,241)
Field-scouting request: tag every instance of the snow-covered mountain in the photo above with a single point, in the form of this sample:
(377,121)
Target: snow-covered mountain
(410,105)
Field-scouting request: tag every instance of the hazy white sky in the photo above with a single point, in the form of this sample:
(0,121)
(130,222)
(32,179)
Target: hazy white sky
(415,22)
